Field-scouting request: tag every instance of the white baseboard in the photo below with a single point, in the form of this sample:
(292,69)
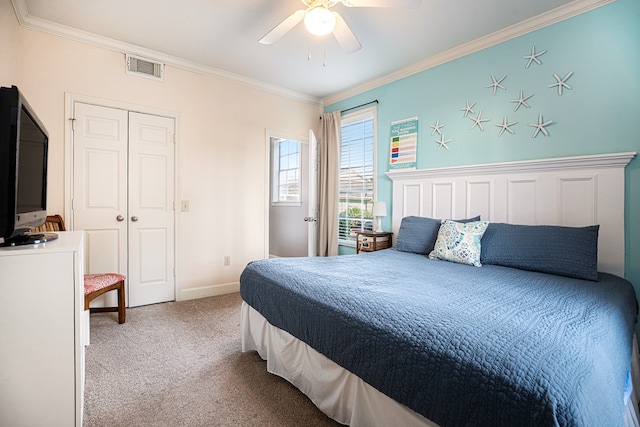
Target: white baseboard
(208,291)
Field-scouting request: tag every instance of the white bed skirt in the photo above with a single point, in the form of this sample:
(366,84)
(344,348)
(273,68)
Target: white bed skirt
(337,392)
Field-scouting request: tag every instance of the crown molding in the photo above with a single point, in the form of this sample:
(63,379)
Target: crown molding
(551,17)
(35,23)
(20,7)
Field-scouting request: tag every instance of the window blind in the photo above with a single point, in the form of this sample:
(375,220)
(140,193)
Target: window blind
(357,175)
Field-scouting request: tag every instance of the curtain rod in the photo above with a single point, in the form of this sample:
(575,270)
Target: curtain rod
(375,101)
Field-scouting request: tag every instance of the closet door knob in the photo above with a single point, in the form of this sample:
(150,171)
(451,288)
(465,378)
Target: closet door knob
(119,218)
(134,218)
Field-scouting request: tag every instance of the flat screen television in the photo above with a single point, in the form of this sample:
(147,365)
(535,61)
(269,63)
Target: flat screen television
(24,145)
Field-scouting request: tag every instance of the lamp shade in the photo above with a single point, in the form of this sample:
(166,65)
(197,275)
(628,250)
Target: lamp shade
(380,209)
(320,21)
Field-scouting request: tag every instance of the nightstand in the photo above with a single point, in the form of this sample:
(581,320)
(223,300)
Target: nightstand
(370,241)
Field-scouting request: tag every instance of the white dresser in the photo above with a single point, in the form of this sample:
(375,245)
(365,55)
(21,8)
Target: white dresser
(43,331)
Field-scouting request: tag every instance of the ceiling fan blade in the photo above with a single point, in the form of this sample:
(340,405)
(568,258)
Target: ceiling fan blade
(283,28)
(411,4)
(345,36)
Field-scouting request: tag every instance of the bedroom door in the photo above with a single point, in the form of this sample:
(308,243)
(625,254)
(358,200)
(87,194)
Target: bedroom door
(292,224)
(123,187)
(312,218)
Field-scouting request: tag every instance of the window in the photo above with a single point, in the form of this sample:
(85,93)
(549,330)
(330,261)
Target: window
(357,175)
(286,172)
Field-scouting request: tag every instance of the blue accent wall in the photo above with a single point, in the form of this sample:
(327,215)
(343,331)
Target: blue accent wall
(600,114)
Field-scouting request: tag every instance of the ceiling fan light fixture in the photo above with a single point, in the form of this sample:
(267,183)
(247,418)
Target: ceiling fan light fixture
(320,21)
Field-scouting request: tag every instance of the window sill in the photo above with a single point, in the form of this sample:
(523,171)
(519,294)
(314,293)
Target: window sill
(347,243)
(285,204)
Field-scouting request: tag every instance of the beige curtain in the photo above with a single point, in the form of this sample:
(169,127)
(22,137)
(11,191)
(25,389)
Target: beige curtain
(329,175)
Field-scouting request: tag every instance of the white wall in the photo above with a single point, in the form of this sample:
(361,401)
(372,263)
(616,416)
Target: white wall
(9,46)
(221,154)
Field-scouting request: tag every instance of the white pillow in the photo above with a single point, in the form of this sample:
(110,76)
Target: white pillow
(459,242)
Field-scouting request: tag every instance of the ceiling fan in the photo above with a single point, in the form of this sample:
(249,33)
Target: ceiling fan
(319,20)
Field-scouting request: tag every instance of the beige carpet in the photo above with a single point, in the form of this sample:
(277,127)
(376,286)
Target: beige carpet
(180,364)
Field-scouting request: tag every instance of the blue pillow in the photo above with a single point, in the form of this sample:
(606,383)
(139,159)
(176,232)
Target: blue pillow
(418,234)
(565,251)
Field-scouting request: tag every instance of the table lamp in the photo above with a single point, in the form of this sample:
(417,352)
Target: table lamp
(379,210)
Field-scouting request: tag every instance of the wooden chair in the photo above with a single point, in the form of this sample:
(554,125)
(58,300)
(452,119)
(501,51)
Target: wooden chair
(94,284)
(97,284)
(52,224)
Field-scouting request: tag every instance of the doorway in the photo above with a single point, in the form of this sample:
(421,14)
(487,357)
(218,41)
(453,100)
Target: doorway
(292,200)
(122,175)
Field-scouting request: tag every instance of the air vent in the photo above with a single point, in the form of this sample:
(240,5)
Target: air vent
(145,67)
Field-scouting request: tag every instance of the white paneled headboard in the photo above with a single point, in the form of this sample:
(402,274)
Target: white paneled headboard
(571,191)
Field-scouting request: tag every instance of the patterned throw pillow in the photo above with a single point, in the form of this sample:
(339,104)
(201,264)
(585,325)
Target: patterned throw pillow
(418,234)
(459,242)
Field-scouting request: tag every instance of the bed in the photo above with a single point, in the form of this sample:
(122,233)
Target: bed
(528,330)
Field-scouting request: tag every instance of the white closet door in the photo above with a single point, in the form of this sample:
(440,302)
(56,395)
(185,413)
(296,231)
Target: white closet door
(123,197)
(151,209)
(100,142)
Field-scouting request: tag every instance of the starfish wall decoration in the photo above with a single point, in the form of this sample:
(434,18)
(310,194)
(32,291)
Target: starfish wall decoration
(436,127)
(477,121)
(505,126)
(442,142)
(560,83)
(540,126)
(468,109)
(533,57)
(496,83)
(522,100)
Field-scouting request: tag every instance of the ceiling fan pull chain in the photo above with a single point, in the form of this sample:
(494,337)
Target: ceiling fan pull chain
(324,52)
(308,47)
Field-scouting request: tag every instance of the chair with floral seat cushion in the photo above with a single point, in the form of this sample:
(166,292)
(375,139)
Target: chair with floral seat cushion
(97,284)
(94,284)
(52,223)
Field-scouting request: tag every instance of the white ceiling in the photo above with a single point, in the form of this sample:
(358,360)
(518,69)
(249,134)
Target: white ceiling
(221,36)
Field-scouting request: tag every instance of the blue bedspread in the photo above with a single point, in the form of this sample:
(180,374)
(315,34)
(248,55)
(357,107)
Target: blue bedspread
(461,345)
